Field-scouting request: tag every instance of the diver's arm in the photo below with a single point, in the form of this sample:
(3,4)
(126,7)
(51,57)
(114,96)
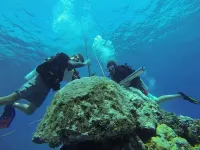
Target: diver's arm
(73,64)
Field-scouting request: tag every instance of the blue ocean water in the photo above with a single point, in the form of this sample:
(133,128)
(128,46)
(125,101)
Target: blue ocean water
(161,35)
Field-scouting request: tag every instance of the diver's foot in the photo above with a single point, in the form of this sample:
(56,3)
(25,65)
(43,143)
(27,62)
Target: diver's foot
(188,98)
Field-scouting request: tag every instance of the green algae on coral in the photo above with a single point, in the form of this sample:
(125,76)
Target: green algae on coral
(167,139)
(98,110)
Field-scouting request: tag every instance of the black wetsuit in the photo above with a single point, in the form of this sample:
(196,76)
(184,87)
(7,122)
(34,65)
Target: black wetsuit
(52,70)
(123,71)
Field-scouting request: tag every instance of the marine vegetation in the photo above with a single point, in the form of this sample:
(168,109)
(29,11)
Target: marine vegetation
(97,113)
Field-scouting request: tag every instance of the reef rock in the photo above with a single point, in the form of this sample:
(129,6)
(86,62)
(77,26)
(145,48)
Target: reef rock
(97,113)
(167,139)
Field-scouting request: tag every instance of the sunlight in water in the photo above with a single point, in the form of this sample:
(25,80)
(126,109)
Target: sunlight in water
(64,22)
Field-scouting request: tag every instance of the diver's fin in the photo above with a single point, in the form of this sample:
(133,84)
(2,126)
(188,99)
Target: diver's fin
(190,99)
(7,116)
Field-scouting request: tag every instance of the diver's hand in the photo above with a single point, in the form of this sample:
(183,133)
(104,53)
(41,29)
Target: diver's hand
(87,62)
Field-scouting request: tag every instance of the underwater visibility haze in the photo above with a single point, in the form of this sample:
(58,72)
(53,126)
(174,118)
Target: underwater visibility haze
(161,35)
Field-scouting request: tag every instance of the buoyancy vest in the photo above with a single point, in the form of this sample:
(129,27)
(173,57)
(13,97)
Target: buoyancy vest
(52,70)
(123,71)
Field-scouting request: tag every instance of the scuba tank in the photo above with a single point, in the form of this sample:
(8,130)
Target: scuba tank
(70,75)
(67,75)
(31,75)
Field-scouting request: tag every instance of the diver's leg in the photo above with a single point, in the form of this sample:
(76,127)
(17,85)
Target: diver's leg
(165,98)
(28,109)
(10,99)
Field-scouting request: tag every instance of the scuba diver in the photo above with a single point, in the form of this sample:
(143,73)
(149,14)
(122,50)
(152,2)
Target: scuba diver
(119,73)
(40,81)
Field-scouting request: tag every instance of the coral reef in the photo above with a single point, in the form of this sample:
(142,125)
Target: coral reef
(167,139)
(97,113)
